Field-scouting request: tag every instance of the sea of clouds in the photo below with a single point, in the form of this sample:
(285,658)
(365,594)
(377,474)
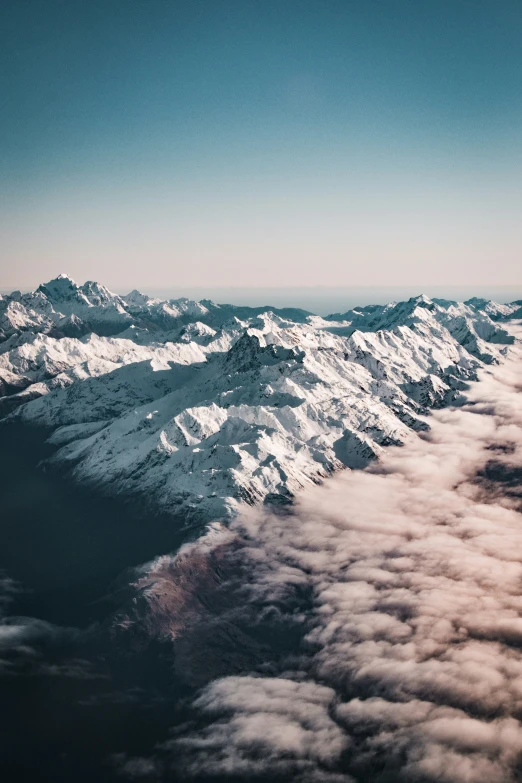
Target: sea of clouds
(409,665)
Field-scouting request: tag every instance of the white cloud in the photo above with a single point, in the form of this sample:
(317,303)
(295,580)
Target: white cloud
(410,662)
(412,665)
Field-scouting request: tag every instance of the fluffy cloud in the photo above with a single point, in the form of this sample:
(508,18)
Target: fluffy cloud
(271,725)
(410,663)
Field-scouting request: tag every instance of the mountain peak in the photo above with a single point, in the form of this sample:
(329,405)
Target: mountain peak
(97,293)
(421,299)
(62,280)
(60,286)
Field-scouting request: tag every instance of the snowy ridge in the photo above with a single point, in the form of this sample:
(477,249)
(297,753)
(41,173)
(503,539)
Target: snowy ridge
(203,407)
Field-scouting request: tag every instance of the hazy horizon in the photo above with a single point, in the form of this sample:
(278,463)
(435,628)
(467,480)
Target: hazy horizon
(321,300)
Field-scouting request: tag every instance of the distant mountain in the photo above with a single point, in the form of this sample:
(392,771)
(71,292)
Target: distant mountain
(202,407)
(61,307)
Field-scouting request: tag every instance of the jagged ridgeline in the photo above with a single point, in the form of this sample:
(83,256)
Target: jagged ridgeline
(202,406)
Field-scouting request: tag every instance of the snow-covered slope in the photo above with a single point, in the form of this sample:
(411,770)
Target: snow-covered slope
(46,363)
(61,308)
(201,407)
(470,325)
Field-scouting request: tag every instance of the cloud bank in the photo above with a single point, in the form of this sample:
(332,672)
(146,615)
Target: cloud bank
(410,660)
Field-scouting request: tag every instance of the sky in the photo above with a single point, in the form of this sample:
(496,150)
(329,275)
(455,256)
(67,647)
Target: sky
(338,143)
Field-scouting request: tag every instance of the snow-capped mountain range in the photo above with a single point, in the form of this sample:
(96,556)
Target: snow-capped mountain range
(200,407)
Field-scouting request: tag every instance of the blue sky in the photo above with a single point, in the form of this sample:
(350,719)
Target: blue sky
(240,142)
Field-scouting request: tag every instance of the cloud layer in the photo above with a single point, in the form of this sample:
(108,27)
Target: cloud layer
(410,661)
